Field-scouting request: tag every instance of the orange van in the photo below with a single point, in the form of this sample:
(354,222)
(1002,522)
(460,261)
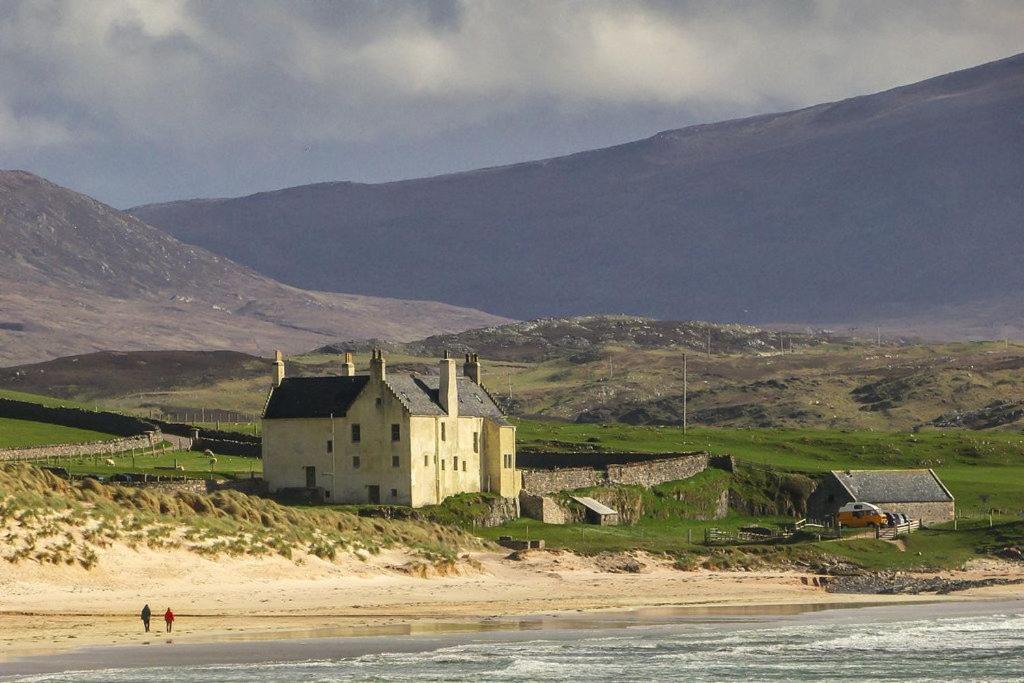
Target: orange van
(861,515)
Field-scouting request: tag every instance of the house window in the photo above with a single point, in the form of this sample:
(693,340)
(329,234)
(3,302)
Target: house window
(355,462)
(442,464)
(463,465)
(380,401)
(476,442)
(396,432)
(394,493)
(444,432)
(426,461)
(455,463)
(330,445)
(508,460)
(357,434)
(394,461)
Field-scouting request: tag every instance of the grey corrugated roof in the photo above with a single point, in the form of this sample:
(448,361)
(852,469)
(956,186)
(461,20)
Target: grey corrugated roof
(595,505)
(314,396)
(894,486)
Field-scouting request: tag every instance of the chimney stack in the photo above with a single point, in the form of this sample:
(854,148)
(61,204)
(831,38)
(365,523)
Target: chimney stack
(278,368)
(348,368)
(472,367)
(378,368)
(447,388)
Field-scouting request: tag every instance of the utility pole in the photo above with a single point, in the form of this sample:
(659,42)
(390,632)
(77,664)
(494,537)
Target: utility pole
(684,393)
(878,336)
(709,341)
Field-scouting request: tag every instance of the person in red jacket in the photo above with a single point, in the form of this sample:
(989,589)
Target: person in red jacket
(169,618)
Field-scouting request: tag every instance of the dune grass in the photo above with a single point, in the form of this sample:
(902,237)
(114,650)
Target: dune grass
(25,433)
(46,519)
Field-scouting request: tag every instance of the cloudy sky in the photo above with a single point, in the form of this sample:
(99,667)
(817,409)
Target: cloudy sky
(133,101)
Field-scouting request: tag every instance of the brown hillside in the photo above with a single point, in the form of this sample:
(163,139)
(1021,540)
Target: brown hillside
(77,276)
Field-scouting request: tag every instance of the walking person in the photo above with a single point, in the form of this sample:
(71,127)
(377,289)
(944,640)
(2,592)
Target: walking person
(146,614)
(169,619)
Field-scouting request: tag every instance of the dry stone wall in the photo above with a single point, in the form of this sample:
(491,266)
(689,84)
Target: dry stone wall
(649,473)
(547,481)
(70,450)
(99,421)
(658,471)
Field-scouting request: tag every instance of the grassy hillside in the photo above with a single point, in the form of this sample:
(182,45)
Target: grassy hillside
(22,433)
(983,470)
(603,369)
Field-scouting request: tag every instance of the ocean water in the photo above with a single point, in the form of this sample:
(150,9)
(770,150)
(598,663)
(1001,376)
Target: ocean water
(979,648)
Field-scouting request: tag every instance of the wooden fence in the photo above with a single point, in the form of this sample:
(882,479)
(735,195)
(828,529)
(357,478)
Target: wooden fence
(892,532)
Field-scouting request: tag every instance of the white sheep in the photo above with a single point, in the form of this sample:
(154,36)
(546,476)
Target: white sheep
(110,462)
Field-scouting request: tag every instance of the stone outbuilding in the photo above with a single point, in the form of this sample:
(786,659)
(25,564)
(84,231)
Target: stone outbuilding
(919,494)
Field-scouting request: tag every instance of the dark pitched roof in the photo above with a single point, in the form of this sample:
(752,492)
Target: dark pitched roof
(314,396)
(474,401)
(323,396)
(894,486)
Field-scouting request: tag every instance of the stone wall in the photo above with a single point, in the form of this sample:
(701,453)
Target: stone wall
(649,473)
(658,471)
(548,481)
(928,513)
(76,449)
(98,421)
(542,508)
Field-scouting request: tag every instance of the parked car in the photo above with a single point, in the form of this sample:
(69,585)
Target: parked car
(861,515)
(900,517)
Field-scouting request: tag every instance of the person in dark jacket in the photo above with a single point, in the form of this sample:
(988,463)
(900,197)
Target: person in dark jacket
(146,614)
(169,619)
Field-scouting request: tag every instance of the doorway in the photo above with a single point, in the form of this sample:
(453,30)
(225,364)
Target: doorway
(374,493)
(310,477)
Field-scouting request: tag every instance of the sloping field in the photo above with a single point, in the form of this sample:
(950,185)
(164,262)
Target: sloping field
(24,433)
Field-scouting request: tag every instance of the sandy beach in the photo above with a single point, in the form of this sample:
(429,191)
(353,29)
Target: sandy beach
(52,609)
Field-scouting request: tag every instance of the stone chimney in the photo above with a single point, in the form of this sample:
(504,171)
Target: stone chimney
(378,367)
(348,368)
(472,367)
(447,388)
(278,368)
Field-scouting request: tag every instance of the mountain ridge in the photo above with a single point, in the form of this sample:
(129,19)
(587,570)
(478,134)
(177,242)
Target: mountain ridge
(78,276)
(806,216)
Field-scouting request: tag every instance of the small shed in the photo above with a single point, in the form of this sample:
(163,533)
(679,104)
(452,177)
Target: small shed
(597,512)
(919,494)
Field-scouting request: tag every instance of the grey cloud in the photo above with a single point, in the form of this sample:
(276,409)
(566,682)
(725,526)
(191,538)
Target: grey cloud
(136,101)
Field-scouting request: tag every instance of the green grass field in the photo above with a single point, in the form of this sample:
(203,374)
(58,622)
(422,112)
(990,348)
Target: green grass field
(48,401)
(984,470)
(196,465)
(23,433)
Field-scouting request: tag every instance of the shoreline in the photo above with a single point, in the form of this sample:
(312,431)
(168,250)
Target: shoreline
(67,614)
(423,636)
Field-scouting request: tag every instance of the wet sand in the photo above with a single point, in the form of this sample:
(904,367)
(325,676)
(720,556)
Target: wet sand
(168,652)
(271,604)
